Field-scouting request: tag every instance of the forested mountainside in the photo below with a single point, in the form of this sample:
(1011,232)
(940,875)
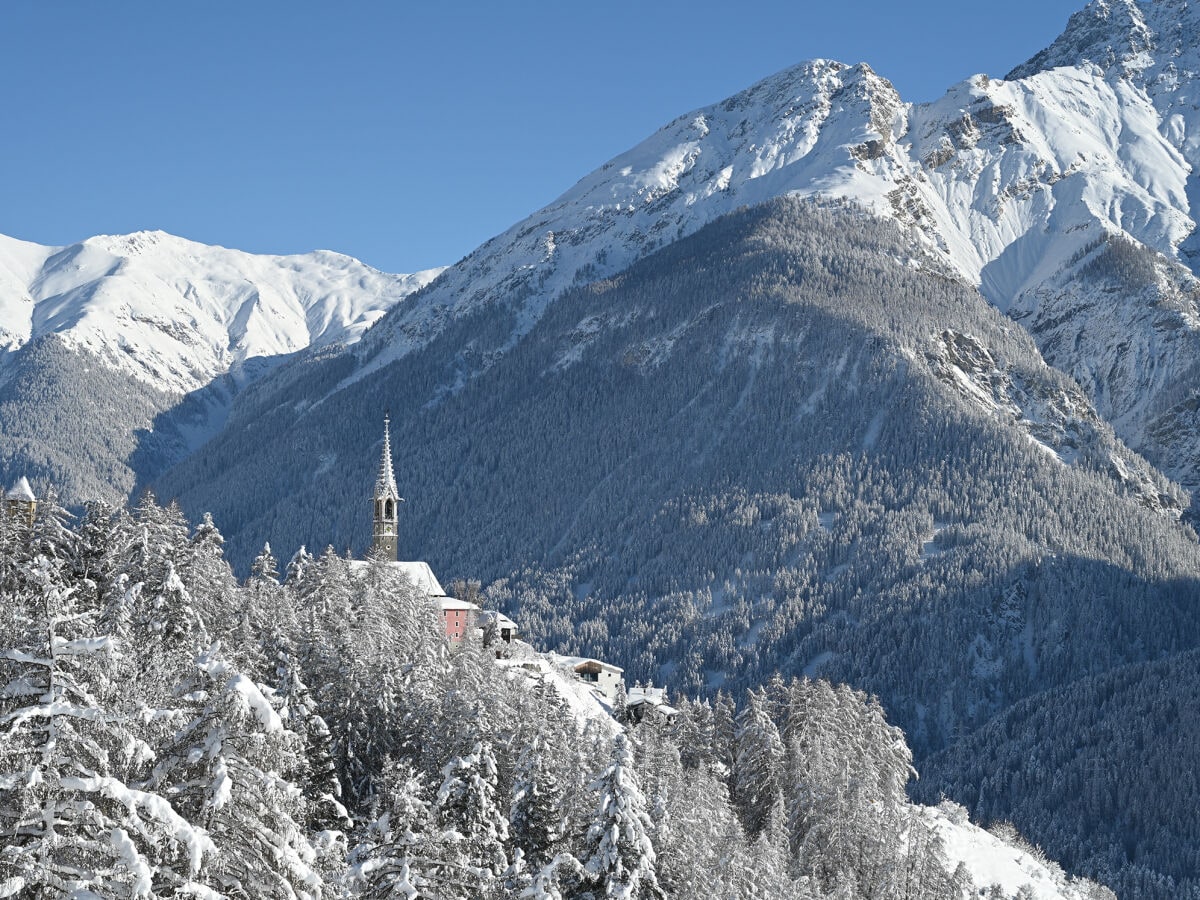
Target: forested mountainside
(785,444)
(120,355)
(1066,192)
(169,732)
(1127,774)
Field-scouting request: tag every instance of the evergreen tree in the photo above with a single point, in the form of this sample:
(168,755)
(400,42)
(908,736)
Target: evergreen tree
(224,771)
(756,786)
(71,821)
(467,808)
(402,854)
(536,813)
(618,856)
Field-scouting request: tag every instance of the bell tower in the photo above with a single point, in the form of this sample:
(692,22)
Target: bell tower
(20,502)
(386,502)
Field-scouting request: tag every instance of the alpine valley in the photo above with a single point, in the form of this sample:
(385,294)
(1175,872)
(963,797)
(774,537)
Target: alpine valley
(812,382)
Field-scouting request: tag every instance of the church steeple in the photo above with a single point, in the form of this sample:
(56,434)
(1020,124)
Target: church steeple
(387,500)
(20,501)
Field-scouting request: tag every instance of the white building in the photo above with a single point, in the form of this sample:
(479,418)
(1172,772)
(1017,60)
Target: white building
(506,628)
(649,703)
(604,678)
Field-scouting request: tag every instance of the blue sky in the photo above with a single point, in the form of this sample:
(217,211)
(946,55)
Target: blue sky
(402,133)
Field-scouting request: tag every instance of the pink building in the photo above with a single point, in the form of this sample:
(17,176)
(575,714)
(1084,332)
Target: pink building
(459,618)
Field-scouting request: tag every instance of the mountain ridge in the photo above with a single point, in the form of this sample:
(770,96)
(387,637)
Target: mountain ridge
(176,313)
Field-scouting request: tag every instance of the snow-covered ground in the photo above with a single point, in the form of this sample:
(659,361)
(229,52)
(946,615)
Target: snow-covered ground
(991,860)
(584,701)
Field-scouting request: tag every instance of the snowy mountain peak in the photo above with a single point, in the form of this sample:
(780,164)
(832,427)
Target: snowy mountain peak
(1150,41)
(818,128)
(175,313)
(1013,185)
(1104,33)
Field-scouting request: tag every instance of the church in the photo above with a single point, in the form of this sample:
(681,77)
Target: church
(460,618)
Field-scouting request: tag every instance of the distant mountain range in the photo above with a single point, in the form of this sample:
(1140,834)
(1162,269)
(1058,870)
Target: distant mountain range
(131,335)
(812,380)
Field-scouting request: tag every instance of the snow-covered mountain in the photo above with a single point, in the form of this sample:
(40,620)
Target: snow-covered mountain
(713,442)
(121,355)
(1019,185)
(776,444)
(176,314)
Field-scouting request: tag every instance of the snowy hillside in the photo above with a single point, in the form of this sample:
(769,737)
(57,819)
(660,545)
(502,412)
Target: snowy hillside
(1013,184)
(311,736)
(121,355)
(176,314)
(995,858)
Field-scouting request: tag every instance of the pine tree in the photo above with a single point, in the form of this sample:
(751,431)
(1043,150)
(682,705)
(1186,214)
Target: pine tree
(70,820)
(210,580)
(401,856)
(536,813)
(298,566)
(224,772)
(618,859)
(467,807)
(756,787)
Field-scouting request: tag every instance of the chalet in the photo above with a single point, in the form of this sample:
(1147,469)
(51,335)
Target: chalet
(605,678)
(649,704)
(506,628)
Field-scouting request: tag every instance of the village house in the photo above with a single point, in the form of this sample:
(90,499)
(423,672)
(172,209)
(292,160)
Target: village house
(649,704)
(460,618)
(605,678)
(506,628)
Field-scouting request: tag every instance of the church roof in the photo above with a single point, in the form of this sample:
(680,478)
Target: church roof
(21,491)
(418,572)
(385,484)
(445,603)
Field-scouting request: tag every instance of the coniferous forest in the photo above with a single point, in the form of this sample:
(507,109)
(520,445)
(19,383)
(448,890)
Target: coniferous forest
(169,731)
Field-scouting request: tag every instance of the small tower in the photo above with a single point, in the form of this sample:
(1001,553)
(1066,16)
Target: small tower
(20,502)
(387,501)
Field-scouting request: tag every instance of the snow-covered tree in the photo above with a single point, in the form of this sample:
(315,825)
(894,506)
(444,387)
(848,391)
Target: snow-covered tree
(224,771)
(536,813)
(756,787)
(402,853)
(72,820)
(477,830)
(618,856)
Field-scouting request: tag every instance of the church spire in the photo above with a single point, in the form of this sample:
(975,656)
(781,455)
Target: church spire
(387,500)
(386,482)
